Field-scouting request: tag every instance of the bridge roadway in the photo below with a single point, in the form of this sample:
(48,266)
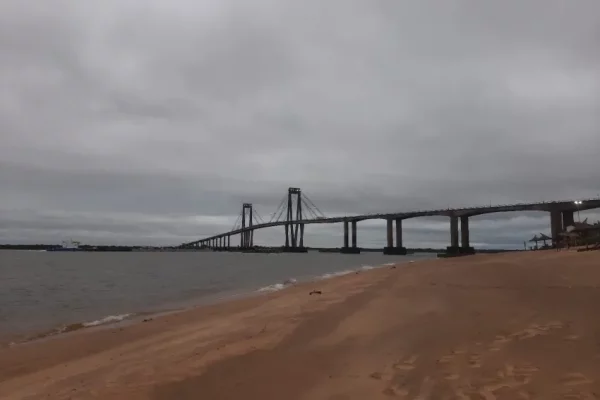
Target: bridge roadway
(561,216)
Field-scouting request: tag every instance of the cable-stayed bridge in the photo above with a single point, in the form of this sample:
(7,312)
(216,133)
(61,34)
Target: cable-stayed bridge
(297,210)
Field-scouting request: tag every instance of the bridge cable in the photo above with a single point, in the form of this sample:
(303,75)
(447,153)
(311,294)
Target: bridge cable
(259,219)
(310,210)
(313,204)
(280,214)
(256,217)
(278,207)
(237,221)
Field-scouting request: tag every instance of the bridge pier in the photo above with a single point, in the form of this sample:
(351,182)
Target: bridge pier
(453,248)
(390,249)
(399,234)
(346,234)
(347,249)
(555,226)
(465,245)
(568,219)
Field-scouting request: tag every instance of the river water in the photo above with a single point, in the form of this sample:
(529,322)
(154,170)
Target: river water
(47,292)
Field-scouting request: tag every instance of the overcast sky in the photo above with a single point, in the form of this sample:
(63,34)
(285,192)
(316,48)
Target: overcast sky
(151,121)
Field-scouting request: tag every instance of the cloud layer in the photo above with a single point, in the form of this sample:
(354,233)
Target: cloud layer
(148,121)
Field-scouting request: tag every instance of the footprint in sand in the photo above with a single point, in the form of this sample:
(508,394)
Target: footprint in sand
(446,359)
(475,361)
(377,376)
(451,377)
(396,391)
(498,342)
(406,365)
(523,395)
(509,377)
(575,379)
(576,395)
(534,330)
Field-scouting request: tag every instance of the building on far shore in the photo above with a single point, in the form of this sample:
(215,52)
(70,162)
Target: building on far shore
(582,234)
(579,234)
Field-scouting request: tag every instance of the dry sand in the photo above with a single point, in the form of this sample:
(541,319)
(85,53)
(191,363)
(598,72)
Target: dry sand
(510,326)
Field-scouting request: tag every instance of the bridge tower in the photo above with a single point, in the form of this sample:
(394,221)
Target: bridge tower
(294,231)
(247,236)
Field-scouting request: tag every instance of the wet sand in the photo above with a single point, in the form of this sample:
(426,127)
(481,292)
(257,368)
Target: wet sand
(508,326)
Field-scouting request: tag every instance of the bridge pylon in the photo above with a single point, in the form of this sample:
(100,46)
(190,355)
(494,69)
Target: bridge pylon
(247,236)
(294,231)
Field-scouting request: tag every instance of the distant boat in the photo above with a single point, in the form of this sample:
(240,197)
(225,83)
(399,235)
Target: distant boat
(67,245)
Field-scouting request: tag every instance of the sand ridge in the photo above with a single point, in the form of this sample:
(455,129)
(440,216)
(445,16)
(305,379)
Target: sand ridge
(509,326)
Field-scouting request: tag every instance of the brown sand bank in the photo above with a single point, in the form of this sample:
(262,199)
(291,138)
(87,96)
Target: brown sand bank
(510,326)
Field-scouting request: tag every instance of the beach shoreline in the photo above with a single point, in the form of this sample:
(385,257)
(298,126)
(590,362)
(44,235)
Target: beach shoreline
(474,326)
(134,316)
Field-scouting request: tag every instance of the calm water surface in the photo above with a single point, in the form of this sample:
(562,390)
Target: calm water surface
(42,291)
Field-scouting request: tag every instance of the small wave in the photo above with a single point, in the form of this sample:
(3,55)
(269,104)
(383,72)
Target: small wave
(111,319)
(272,288)
(389,264)
(334,274)
(106,320)
(278,286)
(367,267)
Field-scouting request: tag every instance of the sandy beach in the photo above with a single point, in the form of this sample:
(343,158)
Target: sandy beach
(508,326)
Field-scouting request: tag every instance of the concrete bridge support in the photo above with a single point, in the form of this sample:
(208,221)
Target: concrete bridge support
(347,249)
(465,245)
(399,244)
(390,233)
(390,248)
(346,234)
(453,248)
(555,226)
(247,239)
(568,219)
(287,235)
(294,231)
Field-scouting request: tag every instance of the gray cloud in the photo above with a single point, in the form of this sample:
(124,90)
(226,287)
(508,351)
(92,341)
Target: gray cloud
(142,121)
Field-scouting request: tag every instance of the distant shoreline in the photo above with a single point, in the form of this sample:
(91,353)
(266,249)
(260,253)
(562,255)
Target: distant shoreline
(115,248)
